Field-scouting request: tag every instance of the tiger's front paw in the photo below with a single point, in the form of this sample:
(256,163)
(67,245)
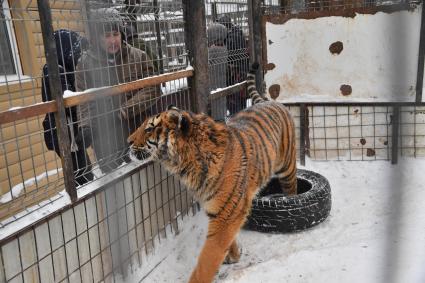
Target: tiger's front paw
(233,256)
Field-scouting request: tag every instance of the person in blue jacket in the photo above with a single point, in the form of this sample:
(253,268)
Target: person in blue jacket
(69,46)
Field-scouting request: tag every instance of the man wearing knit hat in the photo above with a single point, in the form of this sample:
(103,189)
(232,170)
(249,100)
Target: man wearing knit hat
(238,62)
(217,66)
(105,123)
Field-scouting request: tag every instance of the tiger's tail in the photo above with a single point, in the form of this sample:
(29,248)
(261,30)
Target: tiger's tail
(252,90)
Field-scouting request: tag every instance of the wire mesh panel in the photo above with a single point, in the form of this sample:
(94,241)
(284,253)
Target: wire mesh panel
(227,31)
(102,237)
(106,52)
(128,42)
(98,45)
(359,132)
(350,133)
(412,131)
(28,172)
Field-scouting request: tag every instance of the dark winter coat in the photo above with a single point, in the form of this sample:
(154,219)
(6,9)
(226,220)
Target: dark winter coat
(217,66)
(238,55)
(68,48)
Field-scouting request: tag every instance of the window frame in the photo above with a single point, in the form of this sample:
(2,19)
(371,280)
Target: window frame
(4,79)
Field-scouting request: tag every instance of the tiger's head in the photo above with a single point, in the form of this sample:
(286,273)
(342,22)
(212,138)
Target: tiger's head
(157,138)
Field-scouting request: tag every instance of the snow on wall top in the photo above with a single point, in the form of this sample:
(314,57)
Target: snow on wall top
(377,59)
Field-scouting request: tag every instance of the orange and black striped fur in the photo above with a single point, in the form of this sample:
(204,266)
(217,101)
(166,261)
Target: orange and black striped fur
(224,165)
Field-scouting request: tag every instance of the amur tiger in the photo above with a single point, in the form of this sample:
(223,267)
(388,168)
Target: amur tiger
(224,165)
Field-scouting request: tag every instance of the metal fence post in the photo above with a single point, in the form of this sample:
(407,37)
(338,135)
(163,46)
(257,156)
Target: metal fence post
(56,91)
(197,48)
(421,58)
(214,11)
(158,36)
(395,134)
(303,126)
(255,17)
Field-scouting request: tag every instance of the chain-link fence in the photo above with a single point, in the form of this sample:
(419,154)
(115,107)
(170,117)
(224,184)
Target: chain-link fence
(69,99)
(106,66)
(149,41)
(228,56)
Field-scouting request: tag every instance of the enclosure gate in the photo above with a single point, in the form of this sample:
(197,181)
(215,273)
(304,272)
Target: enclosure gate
(103,230)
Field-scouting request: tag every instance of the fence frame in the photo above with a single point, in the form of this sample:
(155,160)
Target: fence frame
(421,58)
(56,91)
(198,81)
(196,46)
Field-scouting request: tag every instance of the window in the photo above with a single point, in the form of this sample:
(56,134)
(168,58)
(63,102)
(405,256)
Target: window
(9,59)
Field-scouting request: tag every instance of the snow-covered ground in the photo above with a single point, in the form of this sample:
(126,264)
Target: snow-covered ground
(375,233)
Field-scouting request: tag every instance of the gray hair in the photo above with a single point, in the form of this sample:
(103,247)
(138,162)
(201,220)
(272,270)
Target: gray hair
(217,34)
(104,20)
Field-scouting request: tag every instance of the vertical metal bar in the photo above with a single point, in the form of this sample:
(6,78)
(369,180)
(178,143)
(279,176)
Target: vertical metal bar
(85,9)
(158,37)
(336,131)
(196,45)
(361,130)
(302,133)
(414,132)
(214,11)
(395,134)
(256,38)
(324,133)
(388,131)
(421,58)
(283,4)
(56,91)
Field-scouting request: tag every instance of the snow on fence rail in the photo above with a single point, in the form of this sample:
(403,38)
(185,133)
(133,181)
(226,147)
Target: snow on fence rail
(121,216)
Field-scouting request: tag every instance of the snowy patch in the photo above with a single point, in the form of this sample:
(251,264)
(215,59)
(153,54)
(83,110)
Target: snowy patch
(17,189)
(69,93)
(15,108)
(33,214)
(59,201)
(173,86)
(374,233)
(175,246)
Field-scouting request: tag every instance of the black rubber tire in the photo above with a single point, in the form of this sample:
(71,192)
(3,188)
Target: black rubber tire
(272,212)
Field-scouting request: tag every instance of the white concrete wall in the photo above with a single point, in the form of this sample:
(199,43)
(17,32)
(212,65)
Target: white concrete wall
(378,60)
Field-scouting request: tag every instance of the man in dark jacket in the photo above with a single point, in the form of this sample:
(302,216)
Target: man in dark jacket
(106,122)
(237,63)
(68,48)
(131,37)
(217,67)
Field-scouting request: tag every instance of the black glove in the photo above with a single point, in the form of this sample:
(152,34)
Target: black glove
(84,137)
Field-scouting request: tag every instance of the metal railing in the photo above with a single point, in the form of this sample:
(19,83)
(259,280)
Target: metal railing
(112,221)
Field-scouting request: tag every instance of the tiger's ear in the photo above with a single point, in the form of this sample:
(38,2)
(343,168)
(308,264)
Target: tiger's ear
(173,114)
(180,119)
(185,124)
(171,106)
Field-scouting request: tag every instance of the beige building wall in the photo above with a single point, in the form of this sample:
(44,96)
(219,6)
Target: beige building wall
(24,154)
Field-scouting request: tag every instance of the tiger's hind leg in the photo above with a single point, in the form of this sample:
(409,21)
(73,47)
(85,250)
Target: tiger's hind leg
(287,174)
(288,181)
(234,253)
(220,239)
